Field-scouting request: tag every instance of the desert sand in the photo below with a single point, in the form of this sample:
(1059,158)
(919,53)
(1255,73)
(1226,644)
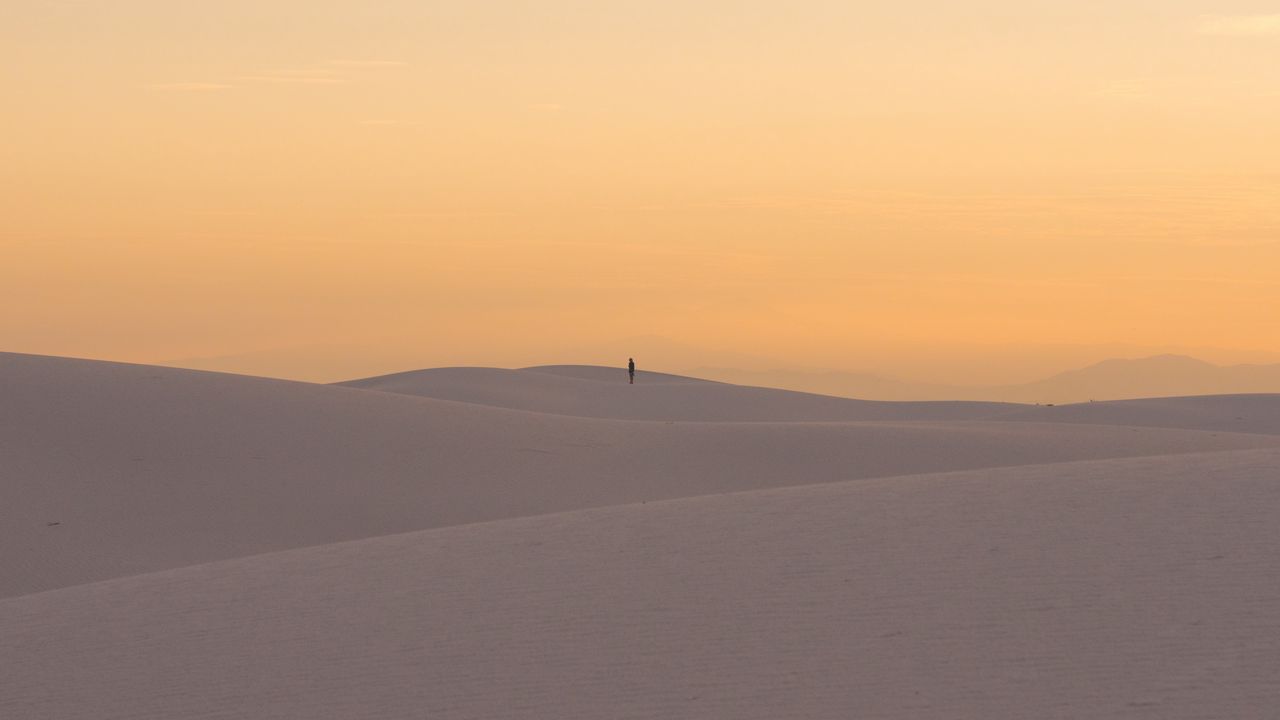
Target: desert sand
(554,543)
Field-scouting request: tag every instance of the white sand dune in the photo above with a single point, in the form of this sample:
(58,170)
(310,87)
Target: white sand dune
(590,391)
(1228,413)
(146,468)
(1135,588)
(553,543)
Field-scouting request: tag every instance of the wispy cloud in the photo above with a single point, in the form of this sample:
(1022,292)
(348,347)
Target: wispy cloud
(295,79)
(190,86)
(1240,25)
(367,63)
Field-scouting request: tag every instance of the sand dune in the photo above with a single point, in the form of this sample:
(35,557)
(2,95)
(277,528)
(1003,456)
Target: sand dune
(553,543)
(1135,588)
(146,468)
(1227,413)
(590,391)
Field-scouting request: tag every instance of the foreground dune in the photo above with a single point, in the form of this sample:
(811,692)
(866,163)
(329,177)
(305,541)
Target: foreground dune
(113,470)
(1131,588)
(554,543)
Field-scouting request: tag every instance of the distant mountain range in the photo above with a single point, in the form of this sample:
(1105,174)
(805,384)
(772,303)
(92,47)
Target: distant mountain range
(1116,379)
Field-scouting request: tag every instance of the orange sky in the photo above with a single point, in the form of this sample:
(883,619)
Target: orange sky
(945,191)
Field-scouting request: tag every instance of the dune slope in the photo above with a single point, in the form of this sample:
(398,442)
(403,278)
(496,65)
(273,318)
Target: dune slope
(590,391)
(1225,413)
(1133,588)
(111,470)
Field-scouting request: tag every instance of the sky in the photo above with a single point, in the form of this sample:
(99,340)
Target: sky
(947,192)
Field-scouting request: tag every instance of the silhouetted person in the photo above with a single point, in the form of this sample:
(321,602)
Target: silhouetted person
(631,370)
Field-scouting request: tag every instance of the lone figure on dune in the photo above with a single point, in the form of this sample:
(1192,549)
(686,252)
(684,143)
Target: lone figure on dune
(631,370)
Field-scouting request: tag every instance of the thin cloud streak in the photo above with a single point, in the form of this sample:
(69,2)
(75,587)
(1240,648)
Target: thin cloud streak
(296,79)
(1240,25)
(190,86)
(367,63)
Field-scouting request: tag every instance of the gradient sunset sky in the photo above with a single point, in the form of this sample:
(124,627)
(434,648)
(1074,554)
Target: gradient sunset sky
(939,190)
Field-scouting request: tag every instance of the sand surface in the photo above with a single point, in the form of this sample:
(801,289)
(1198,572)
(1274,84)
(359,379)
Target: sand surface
(553,543)
(600,392)
(589,391)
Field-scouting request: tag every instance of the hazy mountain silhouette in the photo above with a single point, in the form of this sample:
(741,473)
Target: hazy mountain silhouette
(1115,379)
(1159,376)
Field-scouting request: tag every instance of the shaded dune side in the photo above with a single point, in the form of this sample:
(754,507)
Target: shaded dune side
(1137,588)
(145,468)
(1225,413)
(588,391)
(601,373)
